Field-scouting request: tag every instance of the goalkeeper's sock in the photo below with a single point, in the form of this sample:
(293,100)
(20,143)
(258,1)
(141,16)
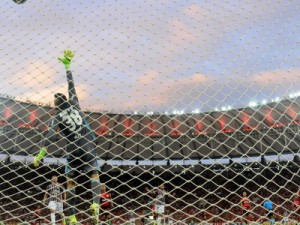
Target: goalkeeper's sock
(95,186)
(71,194)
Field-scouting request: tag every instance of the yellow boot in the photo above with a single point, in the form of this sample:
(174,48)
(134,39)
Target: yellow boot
(73,220)
(95,212)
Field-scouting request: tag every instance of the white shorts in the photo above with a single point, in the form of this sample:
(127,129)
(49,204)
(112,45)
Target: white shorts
(56,206)
(160,209)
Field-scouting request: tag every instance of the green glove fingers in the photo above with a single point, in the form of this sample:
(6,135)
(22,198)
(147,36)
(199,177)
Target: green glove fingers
(69,54)
(67,59)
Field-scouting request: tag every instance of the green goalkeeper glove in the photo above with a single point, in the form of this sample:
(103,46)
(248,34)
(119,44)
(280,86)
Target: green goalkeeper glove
(38,157)
(67,59)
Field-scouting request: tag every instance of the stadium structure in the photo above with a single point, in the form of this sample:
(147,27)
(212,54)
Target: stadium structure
(206,159)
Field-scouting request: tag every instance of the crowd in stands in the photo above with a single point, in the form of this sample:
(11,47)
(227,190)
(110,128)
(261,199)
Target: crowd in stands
(211,196)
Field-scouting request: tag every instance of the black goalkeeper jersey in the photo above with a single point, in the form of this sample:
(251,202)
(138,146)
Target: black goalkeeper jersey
(71,123)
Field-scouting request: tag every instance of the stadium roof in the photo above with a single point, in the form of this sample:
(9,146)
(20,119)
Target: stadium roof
(262,130)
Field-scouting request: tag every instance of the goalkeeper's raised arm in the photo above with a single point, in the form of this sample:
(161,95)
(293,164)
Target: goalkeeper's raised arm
(62,120)
(67,61)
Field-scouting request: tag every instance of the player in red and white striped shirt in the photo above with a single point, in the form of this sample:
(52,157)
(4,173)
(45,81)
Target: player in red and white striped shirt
(57,195)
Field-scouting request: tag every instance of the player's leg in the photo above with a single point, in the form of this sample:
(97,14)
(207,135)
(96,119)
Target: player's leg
(71,199)
(95,187)
(159,219)
(60,211)
(269,215)
(108,219)
(52,207)
(158,210)
(162,213)
(71,192)
(154,215)
(92,168)
(272,218)
(245,215)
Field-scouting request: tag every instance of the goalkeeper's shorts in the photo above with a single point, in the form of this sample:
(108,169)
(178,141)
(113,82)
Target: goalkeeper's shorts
(86,162)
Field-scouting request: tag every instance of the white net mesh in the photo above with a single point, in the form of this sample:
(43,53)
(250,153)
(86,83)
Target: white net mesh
(199,96)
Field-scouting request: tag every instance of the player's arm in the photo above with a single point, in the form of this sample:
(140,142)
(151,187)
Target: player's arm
(49,139)
(148,191)
(241,202)
(67,60)
(64,195)
(172,195)
(111,201)
(151,192)
(45,196)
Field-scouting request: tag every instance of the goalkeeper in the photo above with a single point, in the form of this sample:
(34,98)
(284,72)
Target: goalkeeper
(69,121)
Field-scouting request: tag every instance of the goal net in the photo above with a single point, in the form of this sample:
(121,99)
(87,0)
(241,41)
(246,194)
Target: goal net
(194,108)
